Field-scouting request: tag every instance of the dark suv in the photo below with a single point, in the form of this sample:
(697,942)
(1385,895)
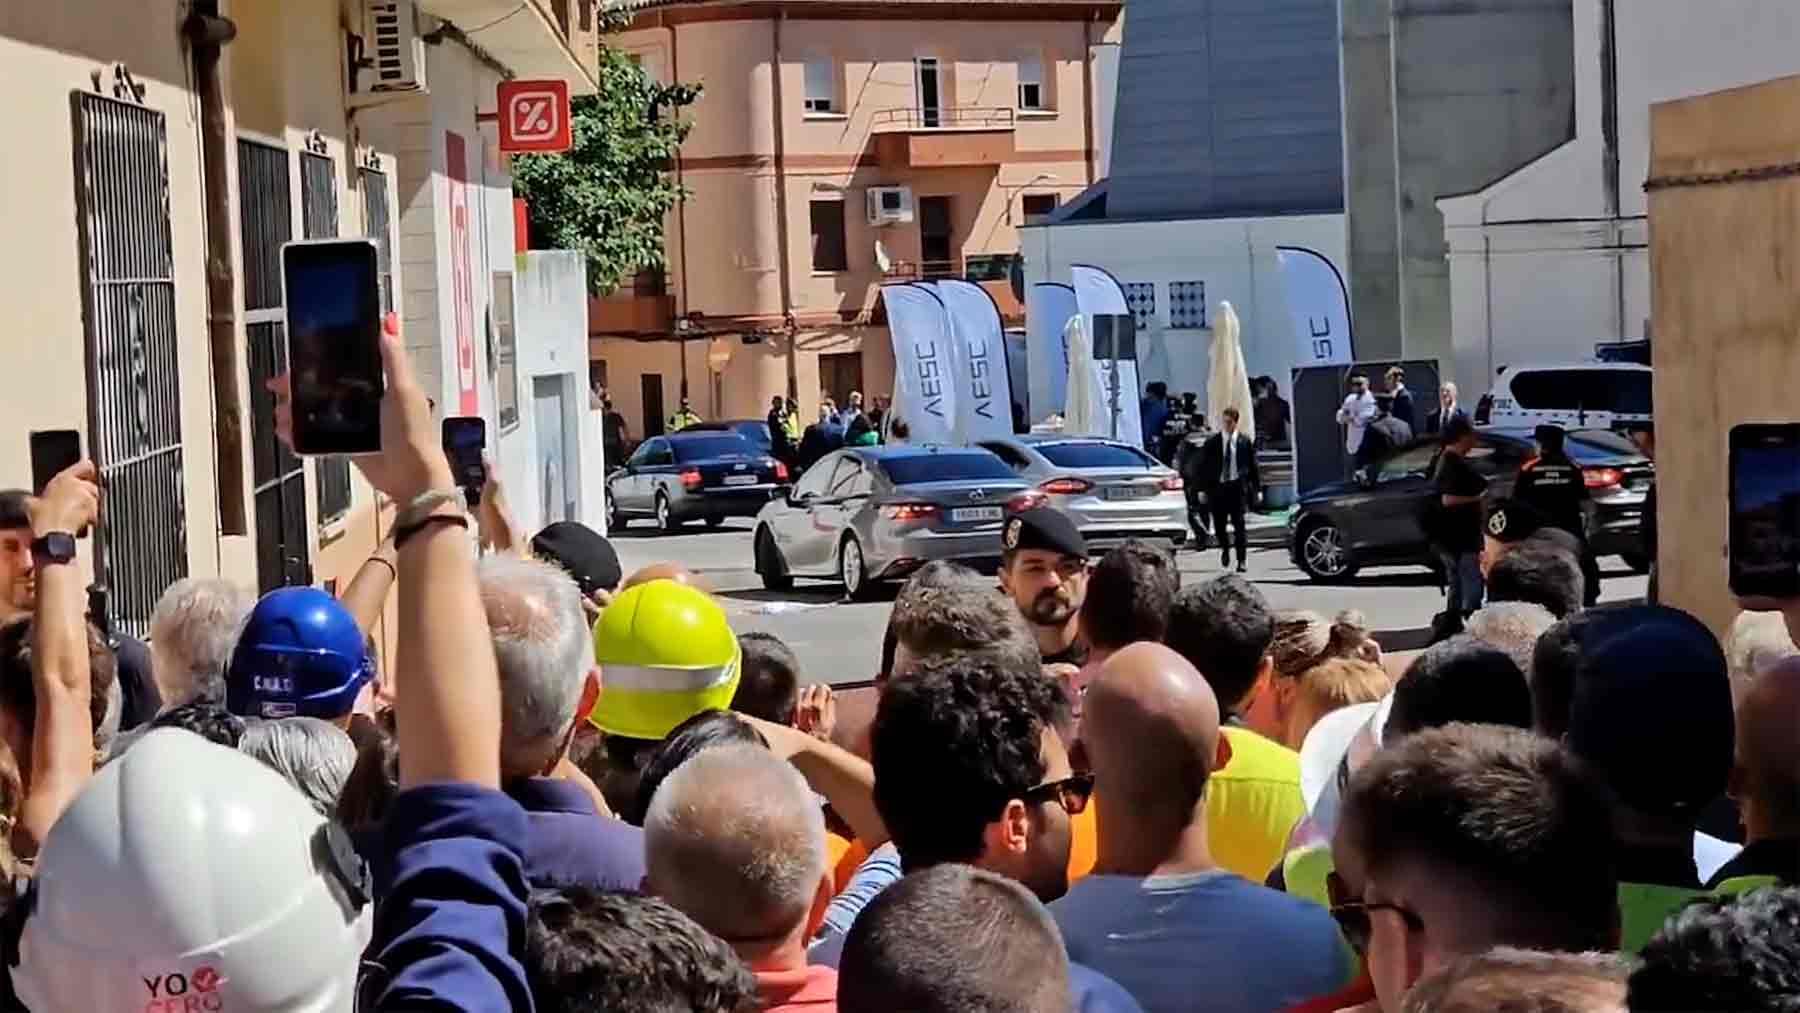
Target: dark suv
(1373,520)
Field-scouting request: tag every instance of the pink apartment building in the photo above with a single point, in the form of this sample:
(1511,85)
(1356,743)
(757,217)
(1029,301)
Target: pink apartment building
(837,146)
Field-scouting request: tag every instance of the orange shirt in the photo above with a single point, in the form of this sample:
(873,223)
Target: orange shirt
(1084,846)
(843,856)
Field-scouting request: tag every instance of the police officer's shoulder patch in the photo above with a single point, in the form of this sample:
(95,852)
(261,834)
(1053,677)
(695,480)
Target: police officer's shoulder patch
(1497,523)
(1010,537)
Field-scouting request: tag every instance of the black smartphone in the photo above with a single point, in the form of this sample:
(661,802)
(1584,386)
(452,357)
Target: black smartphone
(1765,510)
(465,437)
(53,451)
(333,335)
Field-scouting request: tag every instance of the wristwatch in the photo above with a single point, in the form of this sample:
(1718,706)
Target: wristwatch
(422,512)
(52,548)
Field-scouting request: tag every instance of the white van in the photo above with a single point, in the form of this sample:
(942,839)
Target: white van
(1584,395)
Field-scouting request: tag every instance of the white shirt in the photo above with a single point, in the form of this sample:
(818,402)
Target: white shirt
(1357,412)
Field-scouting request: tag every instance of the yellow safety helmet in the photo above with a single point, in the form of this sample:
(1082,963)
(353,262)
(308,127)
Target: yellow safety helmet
(665,653)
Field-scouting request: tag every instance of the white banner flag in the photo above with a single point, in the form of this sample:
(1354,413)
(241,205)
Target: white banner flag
(1048,309)
(924,363)
(984,400)
(1319,305)
(1097,292)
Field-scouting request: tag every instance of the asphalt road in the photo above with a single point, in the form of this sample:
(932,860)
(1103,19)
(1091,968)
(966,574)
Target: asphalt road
(839,641)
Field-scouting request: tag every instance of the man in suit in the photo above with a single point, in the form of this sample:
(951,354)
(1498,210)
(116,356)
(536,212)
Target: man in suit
(1448,408)
(1402,403)
(1228,469)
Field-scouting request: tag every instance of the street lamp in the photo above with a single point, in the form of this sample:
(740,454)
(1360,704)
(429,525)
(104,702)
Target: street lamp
(1013,191)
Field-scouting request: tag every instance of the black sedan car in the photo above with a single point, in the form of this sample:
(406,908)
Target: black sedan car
(754,430)
(705,475)
(1373,520)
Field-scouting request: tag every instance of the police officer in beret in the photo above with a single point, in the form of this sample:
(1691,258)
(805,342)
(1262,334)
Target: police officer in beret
(1553,484)
(1044,569)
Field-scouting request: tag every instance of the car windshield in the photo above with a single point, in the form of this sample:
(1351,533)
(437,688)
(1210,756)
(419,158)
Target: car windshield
(914,469)
(1094,455)
(699,448)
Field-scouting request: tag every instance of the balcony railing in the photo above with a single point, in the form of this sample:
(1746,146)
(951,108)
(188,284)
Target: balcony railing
(929,270)
(956,118)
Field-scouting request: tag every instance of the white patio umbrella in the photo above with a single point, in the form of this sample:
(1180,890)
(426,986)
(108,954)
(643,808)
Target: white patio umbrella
(1228,381)
(1081,398)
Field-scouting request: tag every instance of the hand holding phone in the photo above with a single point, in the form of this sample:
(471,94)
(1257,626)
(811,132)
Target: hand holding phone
(465,438)
(53,451)
(1764,555)
(333,302)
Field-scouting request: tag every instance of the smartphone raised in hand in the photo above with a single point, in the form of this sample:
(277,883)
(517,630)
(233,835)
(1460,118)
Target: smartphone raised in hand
(53,451)
(1764,555)
(465,437)
(333,304)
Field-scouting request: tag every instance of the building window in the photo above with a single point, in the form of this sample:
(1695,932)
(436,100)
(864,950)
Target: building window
(506,354)
(319,220)
(828,249)
(597,377)
(1032,93)
(1187,305)
(821,85)
(1140,296)
(1037,206)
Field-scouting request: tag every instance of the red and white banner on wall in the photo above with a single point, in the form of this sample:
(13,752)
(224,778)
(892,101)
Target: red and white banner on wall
(462,280)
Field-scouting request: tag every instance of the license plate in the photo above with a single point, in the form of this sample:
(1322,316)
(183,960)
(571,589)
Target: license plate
(966,515)
(1126,492)
(740,479)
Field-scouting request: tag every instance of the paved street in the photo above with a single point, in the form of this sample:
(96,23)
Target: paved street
(840,642)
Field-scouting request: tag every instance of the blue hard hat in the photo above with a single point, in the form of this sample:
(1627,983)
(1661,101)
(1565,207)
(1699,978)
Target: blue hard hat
(300,655)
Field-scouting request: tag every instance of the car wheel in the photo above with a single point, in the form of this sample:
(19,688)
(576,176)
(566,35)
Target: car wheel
(1323,555)
(853,570)
(1637,561)
(769,564)
(615,521)
(665,517)
(714,521)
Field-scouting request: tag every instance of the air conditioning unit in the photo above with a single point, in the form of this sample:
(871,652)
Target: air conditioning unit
(890,205)
(393,54)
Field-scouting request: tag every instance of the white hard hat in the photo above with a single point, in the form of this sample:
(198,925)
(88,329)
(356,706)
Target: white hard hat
(1336,747)
(188,876)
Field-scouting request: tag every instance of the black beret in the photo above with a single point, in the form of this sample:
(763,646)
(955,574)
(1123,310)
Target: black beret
(1043,528)
(583,552)
(1510,521)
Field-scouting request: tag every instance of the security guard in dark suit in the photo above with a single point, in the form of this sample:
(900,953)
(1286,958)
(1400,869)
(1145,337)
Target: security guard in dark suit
(1229,476)
(1553,484)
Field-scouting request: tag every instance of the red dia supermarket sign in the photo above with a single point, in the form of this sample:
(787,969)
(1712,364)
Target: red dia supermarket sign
(534,116)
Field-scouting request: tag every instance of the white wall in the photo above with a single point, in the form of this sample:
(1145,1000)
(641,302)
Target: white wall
(1540,268)
(550,324)
(1235,258)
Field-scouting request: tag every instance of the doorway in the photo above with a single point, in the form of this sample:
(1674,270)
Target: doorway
(653,404)
(931,91)
(556,473)
(839,374)
(937,258)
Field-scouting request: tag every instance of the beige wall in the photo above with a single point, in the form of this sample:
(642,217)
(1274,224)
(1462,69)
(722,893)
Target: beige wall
(1727,316)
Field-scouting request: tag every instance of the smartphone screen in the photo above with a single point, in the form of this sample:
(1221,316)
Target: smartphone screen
(1765,510)
(465,437)
(334,355)
(53,451)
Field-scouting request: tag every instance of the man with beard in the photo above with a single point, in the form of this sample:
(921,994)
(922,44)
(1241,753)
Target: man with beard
(1043,568)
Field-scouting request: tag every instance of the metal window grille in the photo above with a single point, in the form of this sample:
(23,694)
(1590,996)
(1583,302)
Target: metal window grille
(134,396)
(1140,296)
(376,225)
(1187,305)
(283,540)
(319,215)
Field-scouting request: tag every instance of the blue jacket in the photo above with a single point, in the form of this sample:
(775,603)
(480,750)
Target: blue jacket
(448,930)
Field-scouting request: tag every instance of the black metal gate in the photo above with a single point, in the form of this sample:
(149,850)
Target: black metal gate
(377,226)
(265,208)
(134,394)
(319,215)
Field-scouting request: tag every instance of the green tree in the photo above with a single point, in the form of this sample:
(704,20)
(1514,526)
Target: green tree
(608,195)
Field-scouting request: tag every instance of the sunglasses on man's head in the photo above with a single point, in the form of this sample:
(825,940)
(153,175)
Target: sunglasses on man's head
(1072,792)
(1352,913)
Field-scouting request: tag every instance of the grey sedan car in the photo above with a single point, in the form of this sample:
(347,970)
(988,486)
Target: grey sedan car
(1113,490)
(863,515)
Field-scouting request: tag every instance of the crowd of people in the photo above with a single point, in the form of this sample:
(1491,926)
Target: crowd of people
(1088,788)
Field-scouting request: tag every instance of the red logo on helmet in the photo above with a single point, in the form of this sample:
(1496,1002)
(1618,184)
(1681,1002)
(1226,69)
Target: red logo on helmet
(206,979)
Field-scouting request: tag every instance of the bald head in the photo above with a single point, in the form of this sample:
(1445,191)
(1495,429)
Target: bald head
(736,841)
(1151,729)
(1768,750)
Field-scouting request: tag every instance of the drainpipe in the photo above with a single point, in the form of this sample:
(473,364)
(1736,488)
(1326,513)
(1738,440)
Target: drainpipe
(680,180)
(208,33)
(781,212)
(1087,92)
(1609,130)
